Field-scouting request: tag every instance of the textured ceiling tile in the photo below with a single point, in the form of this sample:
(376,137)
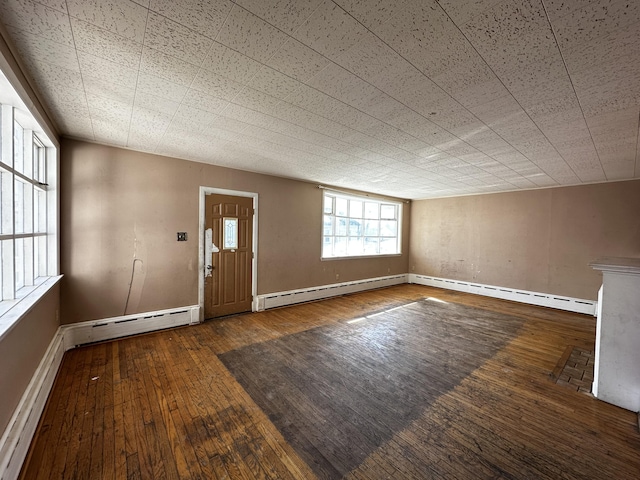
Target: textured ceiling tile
(216,85)
(297,60)
(256,100)
(160,87)
(190,115)
(617,95)
(556,110)
(328,107)
(106,131)
(533,83)
(287,15)
(221,60)
(250,35)
(499,110)
(175,39)
(330,30)
(204,16)
(194,98)
(156,103)
(462,12)
(165,66)
(34,48)
(373,13)
(123,17)
(60,5)
(595,20)
(37,19)
(104,44)
(274,83)
(109,109)
(104,87)
(424,35)
(588,55)
(622,165)
(90,65)
(46,73)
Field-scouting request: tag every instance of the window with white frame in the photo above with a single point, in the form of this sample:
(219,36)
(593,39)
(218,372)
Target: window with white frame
(28,248)
(355,226)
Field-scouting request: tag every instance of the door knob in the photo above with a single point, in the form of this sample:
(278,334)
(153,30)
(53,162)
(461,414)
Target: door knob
(209,267)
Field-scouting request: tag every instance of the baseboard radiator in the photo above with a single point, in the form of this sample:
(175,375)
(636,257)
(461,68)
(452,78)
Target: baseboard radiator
(291,297)
(559,302)
(110,328)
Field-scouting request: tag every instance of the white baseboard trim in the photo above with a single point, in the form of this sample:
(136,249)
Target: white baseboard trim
(16,440)
(559,302)
(291,297)
(116,327)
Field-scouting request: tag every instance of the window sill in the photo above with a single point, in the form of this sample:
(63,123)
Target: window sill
(355,257)
(14,310)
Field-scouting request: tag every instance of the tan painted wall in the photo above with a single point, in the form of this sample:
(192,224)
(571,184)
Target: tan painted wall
(540,240)
(22,349)
(117,204)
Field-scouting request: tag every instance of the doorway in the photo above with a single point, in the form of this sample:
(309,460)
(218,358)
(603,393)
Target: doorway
(228,224)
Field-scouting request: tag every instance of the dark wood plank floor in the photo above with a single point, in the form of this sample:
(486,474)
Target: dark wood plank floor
(418,389)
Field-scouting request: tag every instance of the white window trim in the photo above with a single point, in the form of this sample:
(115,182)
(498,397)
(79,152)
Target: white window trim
(363,198)
(14,95)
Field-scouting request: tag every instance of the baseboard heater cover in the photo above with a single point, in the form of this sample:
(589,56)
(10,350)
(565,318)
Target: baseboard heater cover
(111,328)
(291,297)
(559,302)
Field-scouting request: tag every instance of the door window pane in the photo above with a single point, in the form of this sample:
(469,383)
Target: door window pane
(230,232)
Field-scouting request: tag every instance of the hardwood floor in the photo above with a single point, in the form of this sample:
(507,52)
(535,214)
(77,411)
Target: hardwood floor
(381,384)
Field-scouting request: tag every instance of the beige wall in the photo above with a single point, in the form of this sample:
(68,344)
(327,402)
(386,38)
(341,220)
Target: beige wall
(540,240)
(22,349)
(118,204)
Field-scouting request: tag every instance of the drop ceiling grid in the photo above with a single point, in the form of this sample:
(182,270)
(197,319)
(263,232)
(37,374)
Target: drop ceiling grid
(174,51)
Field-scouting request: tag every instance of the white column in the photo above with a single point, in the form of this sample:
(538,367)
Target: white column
(617,356)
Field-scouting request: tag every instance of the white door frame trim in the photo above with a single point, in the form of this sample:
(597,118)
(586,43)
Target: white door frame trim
(204,191)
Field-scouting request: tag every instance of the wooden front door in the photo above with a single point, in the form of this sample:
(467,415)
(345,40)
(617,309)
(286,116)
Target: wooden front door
(228,255)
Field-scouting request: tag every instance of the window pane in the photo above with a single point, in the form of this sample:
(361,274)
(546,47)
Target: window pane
(24,262)
(355,227)
(23,207)
(388,228)
(355,208)
(328,204)
(40,256)
(230,233)
(355,246)
(19,265)
(328,225)
(327,247)
(18,147)
(388,245)
(371,210)
(341,207)
(341,226)
(340,247)
(371,228)
(6,197)
(387,212)
(40,210)
(7,269)
(371,245)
